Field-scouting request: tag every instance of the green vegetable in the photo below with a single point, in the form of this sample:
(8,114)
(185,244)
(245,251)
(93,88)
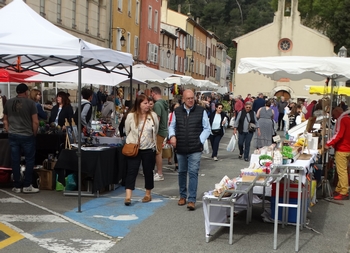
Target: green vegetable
(287,152)
(265,157)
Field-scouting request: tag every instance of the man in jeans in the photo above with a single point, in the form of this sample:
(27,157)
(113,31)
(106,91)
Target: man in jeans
(21,122)
(188,131)
(161,109)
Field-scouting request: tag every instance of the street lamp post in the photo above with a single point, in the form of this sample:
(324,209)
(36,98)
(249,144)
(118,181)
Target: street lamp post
(122,38)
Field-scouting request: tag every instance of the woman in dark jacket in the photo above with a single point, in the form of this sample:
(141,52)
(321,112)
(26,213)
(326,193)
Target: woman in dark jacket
(217,122)
(62,110)
(244,117)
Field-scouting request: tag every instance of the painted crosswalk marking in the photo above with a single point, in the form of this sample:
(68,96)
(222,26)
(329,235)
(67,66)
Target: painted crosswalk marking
(14,236)
(67,246)
(32,218)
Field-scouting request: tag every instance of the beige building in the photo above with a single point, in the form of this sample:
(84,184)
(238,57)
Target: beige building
(88,20)
(285,36)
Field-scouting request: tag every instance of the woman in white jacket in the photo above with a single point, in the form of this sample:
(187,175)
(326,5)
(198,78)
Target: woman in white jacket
(141,117)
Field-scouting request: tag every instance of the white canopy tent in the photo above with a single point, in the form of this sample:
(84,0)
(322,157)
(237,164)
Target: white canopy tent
(89,76)
(30,42)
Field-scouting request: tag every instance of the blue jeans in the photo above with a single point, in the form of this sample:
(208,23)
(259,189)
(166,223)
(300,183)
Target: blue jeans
(19,144)
(189,163)
(244,140)
(215,141)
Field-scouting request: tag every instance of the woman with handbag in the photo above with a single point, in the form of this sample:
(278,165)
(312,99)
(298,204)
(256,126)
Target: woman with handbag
(246,123)
(217,122)
(141,127)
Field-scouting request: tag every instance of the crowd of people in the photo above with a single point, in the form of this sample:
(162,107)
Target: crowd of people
(190,123)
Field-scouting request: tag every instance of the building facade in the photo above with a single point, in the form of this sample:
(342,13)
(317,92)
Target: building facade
(286,36)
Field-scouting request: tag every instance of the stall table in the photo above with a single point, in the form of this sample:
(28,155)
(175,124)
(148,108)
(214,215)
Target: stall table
(105,166)
(218,209)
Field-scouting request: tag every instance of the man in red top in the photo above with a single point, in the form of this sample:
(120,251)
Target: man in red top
(238,105)
(248,98)
(341,144)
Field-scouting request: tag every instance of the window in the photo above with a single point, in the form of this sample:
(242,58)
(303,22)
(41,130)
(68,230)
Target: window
(136,47)
(137,12)
(161,63)
(99,17)
(156,21)
(285,45)
(176,63)
(74,8)
(149,51)
(59,10)
(42,8)
(87,17)
(155,53)
(120,5)
(150,17)
(119,35)
(129,8)
(128,41)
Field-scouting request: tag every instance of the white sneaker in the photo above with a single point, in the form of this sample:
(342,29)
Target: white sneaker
(16,190)
(158,177)
(30,189)
(215,158)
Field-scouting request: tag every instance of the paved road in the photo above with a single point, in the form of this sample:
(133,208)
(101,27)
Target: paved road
(49,222)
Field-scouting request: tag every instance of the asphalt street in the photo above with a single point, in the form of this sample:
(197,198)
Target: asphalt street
(49,221)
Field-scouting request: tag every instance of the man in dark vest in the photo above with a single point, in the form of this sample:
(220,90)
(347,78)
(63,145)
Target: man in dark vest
(188,131)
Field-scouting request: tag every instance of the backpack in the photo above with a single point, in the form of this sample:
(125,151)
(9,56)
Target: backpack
(88,116)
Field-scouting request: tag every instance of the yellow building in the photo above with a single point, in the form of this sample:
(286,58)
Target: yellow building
(125,26)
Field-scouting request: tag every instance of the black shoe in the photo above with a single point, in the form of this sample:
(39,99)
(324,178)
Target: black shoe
(277,129)
(246,159)
(240,157)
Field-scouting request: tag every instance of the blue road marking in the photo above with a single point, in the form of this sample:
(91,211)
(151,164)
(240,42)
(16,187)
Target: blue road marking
(109,215)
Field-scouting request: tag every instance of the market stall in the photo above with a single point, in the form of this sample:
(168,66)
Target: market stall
(33,43)
(286,171)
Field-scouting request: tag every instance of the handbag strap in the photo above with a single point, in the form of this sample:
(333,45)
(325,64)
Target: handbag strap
(142,131)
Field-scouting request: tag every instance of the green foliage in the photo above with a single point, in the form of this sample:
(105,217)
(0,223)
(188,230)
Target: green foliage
(229,19)
(227,106)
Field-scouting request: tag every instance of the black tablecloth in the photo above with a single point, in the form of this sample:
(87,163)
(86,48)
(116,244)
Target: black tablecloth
(45,144)
(105,167)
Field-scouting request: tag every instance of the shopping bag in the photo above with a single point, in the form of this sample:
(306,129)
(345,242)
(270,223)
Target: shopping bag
(206,147)
(232,144)
(232,122)
(167,151)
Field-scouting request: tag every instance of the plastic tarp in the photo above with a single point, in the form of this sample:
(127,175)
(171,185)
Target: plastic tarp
(9,76)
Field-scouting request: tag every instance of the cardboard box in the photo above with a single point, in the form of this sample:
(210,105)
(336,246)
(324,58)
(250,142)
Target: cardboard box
(47,179)
(251,178)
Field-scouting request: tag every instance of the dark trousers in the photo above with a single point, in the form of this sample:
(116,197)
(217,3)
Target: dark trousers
(280,119)
(19,144)
(244,140)
(215,141)
(148,158)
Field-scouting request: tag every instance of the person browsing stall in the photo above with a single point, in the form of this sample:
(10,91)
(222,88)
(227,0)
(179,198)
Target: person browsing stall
(62,110)
(22,123)
(144,123)
(161,109)
(341,144)
(35,95)
(241,125)
(218,121)
(188,131)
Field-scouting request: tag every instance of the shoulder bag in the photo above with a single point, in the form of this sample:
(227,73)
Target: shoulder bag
(132,149)
(251,126)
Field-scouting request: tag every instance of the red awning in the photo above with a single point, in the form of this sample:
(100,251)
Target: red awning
(15,77)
